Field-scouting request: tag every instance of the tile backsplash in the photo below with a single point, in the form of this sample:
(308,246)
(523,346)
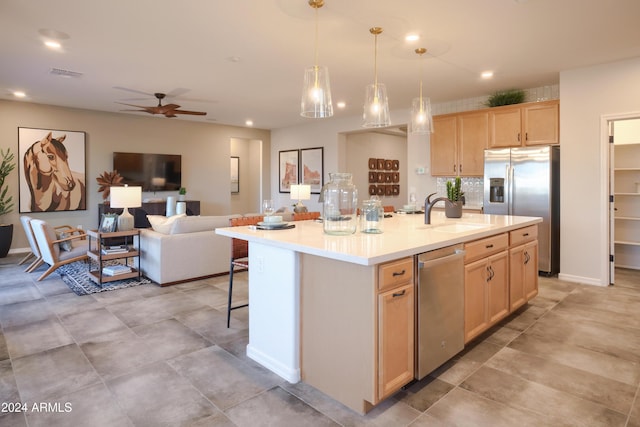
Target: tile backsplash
(473,189)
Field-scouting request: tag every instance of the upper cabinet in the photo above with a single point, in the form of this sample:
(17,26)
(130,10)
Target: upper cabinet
(459,139)
(522,125)
(458,142)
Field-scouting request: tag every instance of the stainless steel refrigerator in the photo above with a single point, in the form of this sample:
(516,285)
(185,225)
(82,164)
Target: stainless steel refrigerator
(526,182)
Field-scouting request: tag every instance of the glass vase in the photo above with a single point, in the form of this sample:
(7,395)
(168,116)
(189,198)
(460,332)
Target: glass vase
(340,205)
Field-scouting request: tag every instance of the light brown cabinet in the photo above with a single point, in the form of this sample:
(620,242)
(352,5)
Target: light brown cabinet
(521,125)
(395,339)
(486,283)
(458,142)
(523,266)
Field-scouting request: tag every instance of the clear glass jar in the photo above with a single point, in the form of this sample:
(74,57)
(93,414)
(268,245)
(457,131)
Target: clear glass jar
(340,204)
(371,216)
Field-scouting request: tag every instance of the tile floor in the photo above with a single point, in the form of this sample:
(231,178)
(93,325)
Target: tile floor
(151,356)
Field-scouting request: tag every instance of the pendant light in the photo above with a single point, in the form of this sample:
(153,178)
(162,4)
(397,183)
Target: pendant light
(316,91)
(376,105)
(421,120)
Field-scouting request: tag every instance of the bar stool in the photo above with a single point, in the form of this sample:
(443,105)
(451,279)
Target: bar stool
(239,258)
(302,216)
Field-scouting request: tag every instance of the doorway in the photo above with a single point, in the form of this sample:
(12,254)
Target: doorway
(624,195)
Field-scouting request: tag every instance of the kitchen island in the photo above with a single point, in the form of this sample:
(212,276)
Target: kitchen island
(317,302)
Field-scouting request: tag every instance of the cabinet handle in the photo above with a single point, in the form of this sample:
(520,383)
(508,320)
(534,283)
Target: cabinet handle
(489,246)
(525,235)
(398,294)
(399,273)
(526,136)
(527,258)
(518,136)
(460,167)
(454,167)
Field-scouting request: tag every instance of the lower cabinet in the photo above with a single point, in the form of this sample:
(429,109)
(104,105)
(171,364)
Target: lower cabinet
(395,339)
(486,284)
(523,276)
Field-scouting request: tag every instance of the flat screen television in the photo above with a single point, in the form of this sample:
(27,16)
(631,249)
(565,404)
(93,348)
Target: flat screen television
(153,172)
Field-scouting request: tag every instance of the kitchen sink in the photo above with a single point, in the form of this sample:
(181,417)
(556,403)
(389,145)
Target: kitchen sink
(459,227)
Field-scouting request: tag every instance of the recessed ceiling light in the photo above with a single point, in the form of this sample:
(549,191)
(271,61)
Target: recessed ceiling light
(486,74)
(249,123)
(412,37)
(19,94)
(341,104)
(52,44)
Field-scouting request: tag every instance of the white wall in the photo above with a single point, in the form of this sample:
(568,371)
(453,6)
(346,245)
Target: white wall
(587,95)
(205,150)
(333,134)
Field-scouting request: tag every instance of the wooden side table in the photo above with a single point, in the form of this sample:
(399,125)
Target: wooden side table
(98,254)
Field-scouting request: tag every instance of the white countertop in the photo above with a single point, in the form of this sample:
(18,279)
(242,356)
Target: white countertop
(404,235)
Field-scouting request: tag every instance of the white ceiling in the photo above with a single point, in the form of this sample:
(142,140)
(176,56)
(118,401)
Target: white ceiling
(244,59)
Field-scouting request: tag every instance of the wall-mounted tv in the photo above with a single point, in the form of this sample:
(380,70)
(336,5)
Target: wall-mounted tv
(153,172)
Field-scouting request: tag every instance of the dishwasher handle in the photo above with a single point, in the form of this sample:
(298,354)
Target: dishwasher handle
(433,262)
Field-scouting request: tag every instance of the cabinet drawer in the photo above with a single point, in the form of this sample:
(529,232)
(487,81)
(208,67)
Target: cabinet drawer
(523,235)
(485,247)
(395,273)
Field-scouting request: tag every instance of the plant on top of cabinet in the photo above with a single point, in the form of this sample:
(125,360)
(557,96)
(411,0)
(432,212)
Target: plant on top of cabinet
(506,97)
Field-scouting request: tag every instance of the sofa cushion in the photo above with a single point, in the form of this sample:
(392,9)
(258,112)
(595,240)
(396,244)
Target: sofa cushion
(193,224)
(163,224)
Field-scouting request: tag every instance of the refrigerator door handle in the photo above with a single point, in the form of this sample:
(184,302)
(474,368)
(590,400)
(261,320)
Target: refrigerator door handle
(511,171)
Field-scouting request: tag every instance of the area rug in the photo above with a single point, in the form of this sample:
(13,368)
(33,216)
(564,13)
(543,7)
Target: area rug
(76,277)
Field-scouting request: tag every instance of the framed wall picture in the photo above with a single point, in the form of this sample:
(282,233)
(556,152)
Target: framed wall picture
(288,170)
(52,170)
(235,175)
(312,168)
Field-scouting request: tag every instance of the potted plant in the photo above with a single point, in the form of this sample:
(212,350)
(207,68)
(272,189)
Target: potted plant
(454,194)
(6,201)
(182,194)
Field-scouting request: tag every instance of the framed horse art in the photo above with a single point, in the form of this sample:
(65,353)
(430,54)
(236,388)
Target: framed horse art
(53,169)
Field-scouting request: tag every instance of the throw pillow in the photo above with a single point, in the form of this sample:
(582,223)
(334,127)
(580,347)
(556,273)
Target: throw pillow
(161,223)
(65,246)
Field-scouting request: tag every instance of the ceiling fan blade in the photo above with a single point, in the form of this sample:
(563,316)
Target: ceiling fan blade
(193,113)
(134,91)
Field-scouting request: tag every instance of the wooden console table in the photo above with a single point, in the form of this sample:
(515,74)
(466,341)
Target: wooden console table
(148,208)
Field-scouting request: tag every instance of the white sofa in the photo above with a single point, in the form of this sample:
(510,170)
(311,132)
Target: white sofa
(184,248)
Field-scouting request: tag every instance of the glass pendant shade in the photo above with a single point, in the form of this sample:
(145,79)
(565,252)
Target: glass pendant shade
(421,118)
(376,106)
(316,93)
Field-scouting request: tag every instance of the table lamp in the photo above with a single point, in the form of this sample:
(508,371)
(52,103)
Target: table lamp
(126,197)
(300,192)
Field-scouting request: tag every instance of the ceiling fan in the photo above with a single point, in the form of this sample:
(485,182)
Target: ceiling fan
(169,110)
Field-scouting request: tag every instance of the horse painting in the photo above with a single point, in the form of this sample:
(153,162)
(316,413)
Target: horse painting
(52,184)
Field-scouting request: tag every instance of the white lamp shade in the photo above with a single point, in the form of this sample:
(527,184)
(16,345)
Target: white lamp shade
(376,106)
(316,93)
(300,192)
(126,197)
(421,119)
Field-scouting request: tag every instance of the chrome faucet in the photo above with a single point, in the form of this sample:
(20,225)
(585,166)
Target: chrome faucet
(428,205)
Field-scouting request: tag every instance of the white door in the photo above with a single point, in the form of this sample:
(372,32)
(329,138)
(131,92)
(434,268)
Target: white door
(612,204)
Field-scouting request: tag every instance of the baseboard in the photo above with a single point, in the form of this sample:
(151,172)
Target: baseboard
(581,280)
(291,375)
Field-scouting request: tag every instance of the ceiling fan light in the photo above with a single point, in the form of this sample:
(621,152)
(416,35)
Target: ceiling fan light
(421,118)
(316,93)
(376,106)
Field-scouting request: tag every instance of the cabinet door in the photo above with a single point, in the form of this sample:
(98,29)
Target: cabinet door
(523,274)
(540,123)
(395,339)
(530,270)
(504,128)
(443,146)
(498,287)
(473,137)
(475,301)
(516,277)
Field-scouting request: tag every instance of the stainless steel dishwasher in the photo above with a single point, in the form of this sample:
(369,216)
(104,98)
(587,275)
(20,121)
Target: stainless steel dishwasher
(440,311)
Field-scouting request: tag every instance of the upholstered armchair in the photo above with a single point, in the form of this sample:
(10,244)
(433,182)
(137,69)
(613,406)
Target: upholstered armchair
(57,251)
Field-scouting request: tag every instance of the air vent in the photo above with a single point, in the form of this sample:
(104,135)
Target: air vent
(64,73)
